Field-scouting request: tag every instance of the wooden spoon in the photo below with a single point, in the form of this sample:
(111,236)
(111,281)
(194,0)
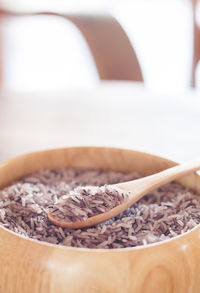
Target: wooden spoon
(136,189)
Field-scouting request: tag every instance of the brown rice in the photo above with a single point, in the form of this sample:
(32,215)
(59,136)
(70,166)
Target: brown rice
(164,213)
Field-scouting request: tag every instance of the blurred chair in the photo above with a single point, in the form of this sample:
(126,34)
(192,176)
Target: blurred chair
(111,49)
(196,42)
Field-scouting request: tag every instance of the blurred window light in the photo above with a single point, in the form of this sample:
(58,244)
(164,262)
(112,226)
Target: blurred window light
(45,53)
(57,6)
(161,32)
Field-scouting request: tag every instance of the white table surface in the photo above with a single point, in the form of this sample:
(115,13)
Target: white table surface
(119,114)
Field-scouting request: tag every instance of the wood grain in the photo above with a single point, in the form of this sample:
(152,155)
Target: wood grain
(31,266)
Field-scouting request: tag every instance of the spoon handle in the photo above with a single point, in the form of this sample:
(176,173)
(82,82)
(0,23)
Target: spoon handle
(144,185)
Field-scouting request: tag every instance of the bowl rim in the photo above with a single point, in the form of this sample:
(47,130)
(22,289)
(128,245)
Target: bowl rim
(94,250)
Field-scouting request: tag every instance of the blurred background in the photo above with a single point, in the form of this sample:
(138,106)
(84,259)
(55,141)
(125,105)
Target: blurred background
(47,52)
(113,73)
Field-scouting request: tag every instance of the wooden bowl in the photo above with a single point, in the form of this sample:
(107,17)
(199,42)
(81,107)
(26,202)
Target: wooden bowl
(32,266)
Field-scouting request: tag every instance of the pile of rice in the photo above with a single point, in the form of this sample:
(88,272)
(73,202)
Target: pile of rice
(164,213)
(85,202)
